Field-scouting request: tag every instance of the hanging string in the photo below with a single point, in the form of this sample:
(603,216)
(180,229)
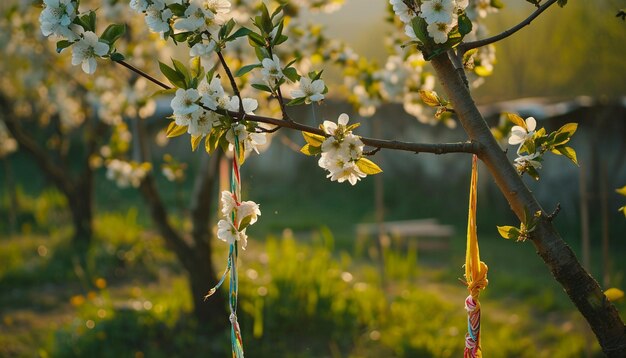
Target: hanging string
(231,266)
(235,332)
(475,273)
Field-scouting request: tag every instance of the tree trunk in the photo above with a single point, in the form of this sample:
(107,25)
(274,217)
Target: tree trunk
(194,257)
(80,202)
(581,288)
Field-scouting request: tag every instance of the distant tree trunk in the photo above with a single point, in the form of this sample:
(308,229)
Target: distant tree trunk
(194,254)
(80,202)
(582,289)
(12,192)
(78,191)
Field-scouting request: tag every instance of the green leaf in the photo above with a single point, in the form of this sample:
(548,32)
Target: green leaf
(112,33)
(430,98)
(497,4)
(262,87)
(313,139)
(182,69)
(368,167)
(614,294)
(569,129)
(88,21)
(244,31)
(280,39)
(296,101)
(174,130)
(195,141)
(245,222)
(465,25)
(419,25)
(214,138)
(517,120)
(266,20)
(177,79)
(261,53)
(311,150)
(277,11)
(532,172)
(483,71)
(197,70)
(245,69)
(226,29)
(182,36)
(63,44)
(255,39)
(292,74)
(117,57)
(164,92)
(177,9)
(569,152)
(508,232)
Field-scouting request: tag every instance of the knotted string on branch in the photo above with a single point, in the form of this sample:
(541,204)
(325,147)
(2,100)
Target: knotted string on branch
(475,273)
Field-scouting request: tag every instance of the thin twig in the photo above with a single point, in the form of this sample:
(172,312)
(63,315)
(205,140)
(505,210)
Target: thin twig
(233,84)
(372,152)
(142,74)
(466,46)
(280,99)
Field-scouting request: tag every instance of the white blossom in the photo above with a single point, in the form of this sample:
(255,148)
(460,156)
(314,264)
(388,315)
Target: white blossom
(204,51)
(438,11)
(249,105)
(341,170)
(203,124)
(310,90)
(520,134)
(401,10)
(184,102)
(271,71)
(56,19)
(158,17)
(524,161)
(227,232)
(439,31)
(139,5)
(248,208)
(331,127)
(186,118)
(212,93)
(228,203)
(218,6)
(86,50)
(126,174)
(199,19)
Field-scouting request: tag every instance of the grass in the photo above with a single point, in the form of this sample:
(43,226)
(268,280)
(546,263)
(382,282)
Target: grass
(297,299)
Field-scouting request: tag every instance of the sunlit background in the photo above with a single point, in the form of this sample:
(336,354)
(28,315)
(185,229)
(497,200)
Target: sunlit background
(319,278)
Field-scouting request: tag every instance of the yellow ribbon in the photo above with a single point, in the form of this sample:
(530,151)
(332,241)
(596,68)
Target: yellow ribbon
(475,270)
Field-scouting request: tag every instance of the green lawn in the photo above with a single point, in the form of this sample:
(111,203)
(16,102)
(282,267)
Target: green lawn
(299,297)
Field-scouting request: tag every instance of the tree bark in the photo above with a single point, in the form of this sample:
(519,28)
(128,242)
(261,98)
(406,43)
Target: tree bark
(582,289)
